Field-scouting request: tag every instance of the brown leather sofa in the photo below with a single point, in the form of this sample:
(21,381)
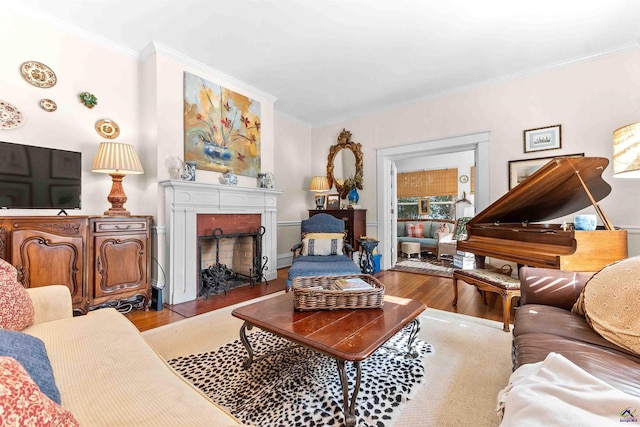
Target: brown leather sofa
(544,323)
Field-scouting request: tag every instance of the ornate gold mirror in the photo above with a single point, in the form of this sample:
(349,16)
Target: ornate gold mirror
(344,165)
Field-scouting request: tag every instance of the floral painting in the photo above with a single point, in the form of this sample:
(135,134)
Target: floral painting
(221,128)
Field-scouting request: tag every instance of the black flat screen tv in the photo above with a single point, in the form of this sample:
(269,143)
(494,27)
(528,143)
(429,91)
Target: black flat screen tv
(39,178)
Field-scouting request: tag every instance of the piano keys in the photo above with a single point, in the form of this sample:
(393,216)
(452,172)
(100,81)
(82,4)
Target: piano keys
(515,228)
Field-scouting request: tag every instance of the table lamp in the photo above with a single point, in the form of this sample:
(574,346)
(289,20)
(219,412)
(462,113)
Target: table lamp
(117,160)
(319,184)
(626,151)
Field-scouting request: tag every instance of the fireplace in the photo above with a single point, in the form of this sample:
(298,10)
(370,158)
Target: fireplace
(184,201)
(229,252)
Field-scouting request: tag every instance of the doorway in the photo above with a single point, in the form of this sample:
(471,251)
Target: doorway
(386,181)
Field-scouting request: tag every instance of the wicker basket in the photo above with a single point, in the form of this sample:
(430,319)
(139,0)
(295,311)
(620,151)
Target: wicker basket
(321,293)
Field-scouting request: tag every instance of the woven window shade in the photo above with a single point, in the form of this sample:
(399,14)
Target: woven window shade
(473,179)
(442,182)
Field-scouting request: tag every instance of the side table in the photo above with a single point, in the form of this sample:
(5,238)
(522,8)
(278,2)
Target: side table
(366,254)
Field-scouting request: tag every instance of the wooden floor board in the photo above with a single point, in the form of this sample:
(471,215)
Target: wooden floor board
(435,292)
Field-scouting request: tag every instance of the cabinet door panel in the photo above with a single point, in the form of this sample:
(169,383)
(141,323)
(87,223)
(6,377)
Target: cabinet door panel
(119,265)
(44,259)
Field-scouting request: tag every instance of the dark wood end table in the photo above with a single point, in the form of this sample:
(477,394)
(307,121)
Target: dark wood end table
(346,335)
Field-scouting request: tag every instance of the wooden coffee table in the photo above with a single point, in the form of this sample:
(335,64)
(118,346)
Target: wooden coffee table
(346,335)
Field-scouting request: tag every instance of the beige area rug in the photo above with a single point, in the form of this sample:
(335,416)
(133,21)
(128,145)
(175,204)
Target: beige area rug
(470,364)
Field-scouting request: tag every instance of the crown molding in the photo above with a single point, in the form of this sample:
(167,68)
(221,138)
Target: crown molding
(479,85)
(291,118)
(145,53)
(155,47)
(73,29)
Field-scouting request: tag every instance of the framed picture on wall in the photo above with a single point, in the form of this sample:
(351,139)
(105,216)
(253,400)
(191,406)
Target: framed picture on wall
(423,206)
(519,170)
(540,139)
(333,201)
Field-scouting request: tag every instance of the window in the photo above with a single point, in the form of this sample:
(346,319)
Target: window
(440,207)
(428,193)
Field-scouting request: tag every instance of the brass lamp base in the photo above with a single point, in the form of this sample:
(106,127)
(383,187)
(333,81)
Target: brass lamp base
(116,197)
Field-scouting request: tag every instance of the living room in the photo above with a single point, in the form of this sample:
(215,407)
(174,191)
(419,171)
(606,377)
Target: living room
(142,91)
(146,102)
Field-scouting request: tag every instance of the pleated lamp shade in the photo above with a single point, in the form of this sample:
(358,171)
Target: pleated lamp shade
(626,151)
(116,157)
(319,184)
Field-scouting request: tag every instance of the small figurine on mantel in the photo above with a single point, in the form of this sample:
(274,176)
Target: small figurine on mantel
(265,180)
(189,171)
(229,178)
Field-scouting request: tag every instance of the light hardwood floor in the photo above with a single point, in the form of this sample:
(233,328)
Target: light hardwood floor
(435,292)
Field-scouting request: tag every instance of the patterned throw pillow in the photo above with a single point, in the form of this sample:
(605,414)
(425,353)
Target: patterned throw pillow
(16,307)
(23,404)
(415,230)
(611,303)
(438,227)
(317,247)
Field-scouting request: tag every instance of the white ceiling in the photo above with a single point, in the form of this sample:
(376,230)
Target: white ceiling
(325,60)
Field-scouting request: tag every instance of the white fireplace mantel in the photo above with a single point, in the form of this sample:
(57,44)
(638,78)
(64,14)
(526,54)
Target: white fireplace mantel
(184,200)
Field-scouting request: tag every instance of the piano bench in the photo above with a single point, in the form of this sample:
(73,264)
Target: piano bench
(490,281)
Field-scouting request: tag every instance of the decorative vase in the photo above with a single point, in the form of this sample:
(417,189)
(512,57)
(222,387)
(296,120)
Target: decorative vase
(262,180)
(230,178)
(189,171)
(354,196)
(269,180)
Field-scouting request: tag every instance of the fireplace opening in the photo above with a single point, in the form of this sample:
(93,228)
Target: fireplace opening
(230,260)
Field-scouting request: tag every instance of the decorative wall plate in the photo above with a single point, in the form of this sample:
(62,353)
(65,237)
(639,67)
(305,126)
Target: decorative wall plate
(107,128)
(10,116)
(38,74)
(48,105)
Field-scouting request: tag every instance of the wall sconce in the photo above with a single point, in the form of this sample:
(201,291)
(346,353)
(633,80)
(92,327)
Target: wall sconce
(319,184)
(117,160)
(626,151)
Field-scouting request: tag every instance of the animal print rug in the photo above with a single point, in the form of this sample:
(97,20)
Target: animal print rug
(299,387)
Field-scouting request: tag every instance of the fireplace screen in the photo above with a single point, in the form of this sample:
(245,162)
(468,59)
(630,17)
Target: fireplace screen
(238,260)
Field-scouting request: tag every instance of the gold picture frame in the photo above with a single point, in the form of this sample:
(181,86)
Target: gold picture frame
(423,206)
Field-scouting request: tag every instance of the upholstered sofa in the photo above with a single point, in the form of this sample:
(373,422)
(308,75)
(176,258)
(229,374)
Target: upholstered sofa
(576,345)
(97,368)
(424,232)
(323,250)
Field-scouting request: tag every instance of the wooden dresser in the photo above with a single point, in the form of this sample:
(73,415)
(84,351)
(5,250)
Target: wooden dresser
(105,262)
(355,222)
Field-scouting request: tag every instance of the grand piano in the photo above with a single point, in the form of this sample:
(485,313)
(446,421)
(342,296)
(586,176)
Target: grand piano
(515,228)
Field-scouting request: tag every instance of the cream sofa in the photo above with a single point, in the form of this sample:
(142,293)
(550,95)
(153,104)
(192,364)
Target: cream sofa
(108,375)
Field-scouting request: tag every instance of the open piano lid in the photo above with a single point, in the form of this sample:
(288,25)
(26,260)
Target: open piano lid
(561,187)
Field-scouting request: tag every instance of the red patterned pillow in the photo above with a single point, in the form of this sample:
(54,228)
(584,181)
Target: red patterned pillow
(23,404)
(16,307)
(415,230)
(7,270)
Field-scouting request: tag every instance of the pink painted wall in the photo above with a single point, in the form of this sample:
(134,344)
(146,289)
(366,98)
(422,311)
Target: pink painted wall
(589,99)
